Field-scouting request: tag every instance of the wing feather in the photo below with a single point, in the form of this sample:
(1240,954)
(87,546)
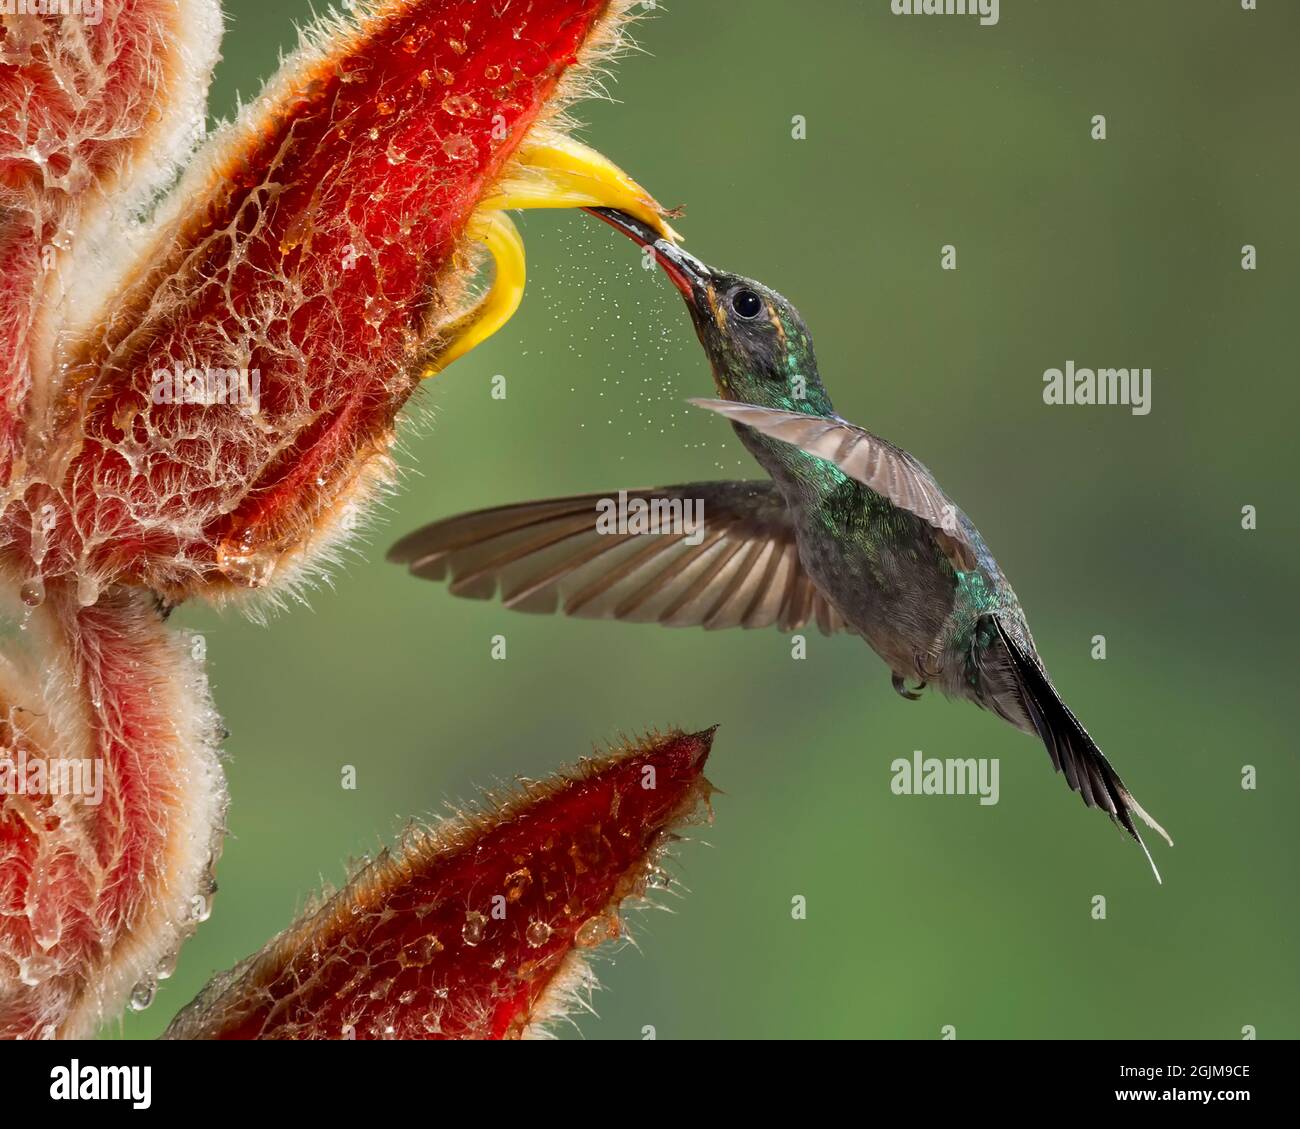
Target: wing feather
(743,569)
(888,470)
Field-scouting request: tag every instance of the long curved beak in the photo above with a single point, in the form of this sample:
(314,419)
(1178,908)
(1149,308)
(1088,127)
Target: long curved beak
(683,269)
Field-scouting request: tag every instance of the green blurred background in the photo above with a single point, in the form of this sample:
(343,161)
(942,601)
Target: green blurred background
(922,912)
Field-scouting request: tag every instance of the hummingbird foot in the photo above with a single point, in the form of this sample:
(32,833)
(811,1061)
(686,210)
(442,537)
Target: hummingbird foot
(924,671)
(901,689)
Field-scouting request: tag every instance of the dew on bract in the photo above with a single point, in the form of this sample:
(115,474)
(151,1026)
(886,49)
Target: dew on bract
(460,105)
(87,589)
(142,995)
(48,933)
(378,310)
(537,934)
(420,951)
(34,971)
(244,567)
(595,930)
(32,593)
(458,147)
(474,929)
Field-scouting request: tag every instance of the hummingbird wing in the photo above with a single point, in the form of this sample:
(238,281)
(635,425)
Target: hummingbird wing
(888,470)
(734,563)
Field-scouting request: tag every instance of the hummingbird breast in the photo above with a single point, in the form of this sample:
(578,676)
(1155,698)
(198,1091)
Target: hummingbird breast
(887,575)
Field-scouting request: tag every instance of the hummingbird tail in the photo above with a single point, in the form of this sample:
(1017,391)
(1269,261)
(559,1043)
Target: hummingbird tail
(1072,749)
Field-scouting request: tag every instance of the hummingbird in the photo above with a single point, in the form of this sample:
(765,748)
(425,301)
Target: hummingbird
(848,531)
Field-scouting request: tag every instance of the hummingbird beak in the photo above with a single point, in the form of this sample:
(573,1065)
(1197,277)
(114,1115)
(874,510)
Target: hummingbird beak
(683,269)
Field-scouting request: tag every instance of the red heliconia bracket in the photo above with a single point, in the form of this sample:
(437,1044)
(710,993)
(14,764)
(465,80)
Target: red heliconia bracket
(477,929)
(199,395)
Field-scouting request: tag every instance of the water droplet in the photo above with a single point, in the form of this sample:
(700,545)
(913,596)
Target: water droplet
(32,592)
(87,590)
(243,565)
(460,105)
(537,934)
(421,951)
(142,995)
(34,971)
(47,928)
(474,929)
(458,147)
(595,930)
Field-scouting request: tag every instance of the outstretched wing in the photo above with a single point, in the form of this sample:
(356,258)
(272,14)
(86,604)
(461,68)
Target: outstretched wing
(888,470)
(727,558)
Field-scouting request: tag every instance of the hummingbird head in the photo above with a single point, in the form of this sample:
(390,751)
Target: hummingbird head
(758,344)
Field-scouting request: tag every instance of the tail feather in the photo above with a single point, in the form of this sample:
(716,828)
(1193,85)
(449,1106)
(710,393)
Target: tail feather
(1072,750)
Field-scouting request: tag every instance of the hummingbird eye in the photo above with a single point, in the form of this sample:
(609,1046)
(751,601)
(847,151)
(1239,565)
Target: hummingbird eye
(746,304)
